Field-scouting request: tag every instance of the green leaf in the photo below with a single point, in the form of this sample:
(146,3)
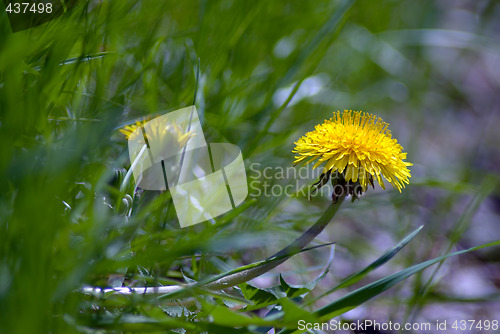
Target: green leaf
(258,296)
(189,288)
(389,254)
(294,291)
(358,297)
(129,322)
(224,316)
(293,313)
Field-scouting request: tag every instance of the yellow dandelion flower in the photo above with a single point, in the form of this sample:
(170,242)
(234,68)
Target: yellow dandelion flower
(357,147)
(159,132)
(127,130)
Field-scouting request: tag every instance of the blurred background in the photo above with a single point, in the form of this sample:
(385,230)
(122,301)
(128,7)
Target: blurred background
(268,73)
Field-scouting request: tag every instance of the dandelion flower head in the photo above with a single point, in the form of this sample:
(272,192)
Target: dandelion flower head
(358,146)
(170,133)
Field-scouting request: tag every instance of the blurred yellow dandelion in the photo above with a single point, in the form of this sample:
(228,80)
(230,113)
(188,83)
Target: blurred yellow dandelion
(127,130)
(159,132)
(357,147)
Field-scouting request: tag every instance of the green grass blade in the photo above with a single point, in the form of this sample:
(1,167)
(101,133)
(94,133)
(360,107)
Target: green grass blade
(358,297)
(362,295)
(389,254)
(314,48)
(189,288)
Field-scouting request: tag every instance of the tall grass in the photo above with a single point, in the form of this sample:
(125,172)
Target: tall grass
(268,72)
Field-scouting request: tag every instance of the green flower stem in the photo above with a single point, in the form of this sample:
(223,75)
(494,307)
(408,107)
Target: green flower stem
(244,275)
(287,252)
(132,167)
